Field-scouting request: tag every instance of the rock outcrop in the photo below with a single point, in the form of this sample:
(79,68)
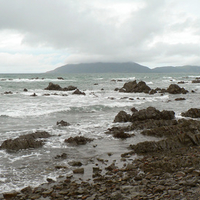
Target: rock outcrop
(175,89)
(25,141)
(133,86)
(169,144)
(192,112)
(57,87)
(122,116)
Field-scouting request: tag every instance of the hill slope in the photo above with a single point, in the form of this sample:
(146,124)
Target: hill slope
(102,68)
(128,67)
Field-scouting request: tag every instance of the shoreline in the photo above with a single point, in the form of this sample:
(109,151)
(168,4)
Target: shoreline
(165,169)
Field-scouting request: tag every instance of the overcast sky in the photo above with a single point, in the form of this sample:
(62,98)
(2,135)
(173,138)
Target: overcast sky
(40,35)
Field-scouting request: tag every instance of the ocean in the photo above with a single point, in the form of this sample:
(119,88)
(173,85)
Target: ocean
(90,116)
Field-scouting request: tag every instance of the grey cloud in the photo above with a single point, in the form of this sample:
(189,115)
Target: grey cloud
(86,31)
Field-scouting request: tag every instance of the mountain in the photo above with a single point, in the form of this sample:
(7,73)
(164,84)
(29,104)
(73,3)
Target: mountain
(179,69)
(128,67)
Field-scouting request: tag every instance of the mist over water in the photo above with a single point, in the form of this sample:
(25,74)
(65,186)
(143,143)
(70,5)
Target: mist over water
(90,116)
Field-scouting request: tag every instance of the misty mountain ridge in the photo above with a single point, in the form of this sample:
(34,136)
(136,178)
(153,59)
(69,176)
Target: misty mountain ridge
(126,67)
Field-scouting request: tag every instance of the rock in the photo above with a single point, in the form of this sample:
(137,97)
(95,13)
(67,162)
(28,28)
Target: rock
(134,110)
(78,171)
(77,91)
(111,167)
(192,112)
(25,141)
(60,78)
(152,91)
(8,92)
(152,113)
(75,163)
(175,89)
(70,88)
(63,123)
(181,82)
(33,95)
(10,195)
(62,156)
(180,99)
(53,86)
(196,81)
(78,140)
(168,144)
(122,116)
(121,135)
(135,87)
(159,188)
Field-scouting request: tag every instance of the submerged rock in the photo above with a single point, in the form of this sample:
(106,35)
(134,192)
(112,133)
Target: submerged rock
(63,123)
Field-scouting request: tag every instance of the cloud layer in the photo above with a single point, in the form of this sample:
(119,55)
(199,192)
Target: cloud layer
(37,36)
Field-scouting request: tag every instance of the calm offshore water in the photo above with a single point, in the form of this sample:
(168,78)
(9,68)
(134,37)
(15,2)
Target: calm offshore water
(90,115)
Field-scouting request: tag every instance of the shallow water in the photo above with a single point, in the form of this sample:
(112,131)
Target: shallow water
(90,115)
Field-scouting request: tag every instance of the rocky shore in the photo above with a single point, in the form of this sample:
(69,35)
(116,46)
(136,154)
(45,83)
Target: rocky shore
(165,169)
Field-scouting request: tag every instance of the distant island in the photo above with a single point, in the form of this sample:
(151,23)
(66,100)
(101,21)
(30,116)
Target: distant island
(127,67)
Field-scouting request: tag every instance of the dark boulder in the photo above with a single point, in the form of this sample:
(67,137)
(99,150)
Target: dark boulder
(122,116)
(63,123)
(192,112)
(78,140)
(77,91)
(53,86)
(25,141)
(175,89)
(152,113)
(133,86)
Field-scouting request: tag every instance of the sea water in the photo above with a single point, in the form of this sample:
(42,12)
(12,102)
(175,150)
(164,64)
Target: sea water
(89,115)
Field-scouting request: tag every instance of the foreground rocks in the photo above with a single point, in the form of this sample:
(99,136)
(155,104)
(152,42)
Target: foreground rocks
(172,175)
(25,141)
(166,169)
